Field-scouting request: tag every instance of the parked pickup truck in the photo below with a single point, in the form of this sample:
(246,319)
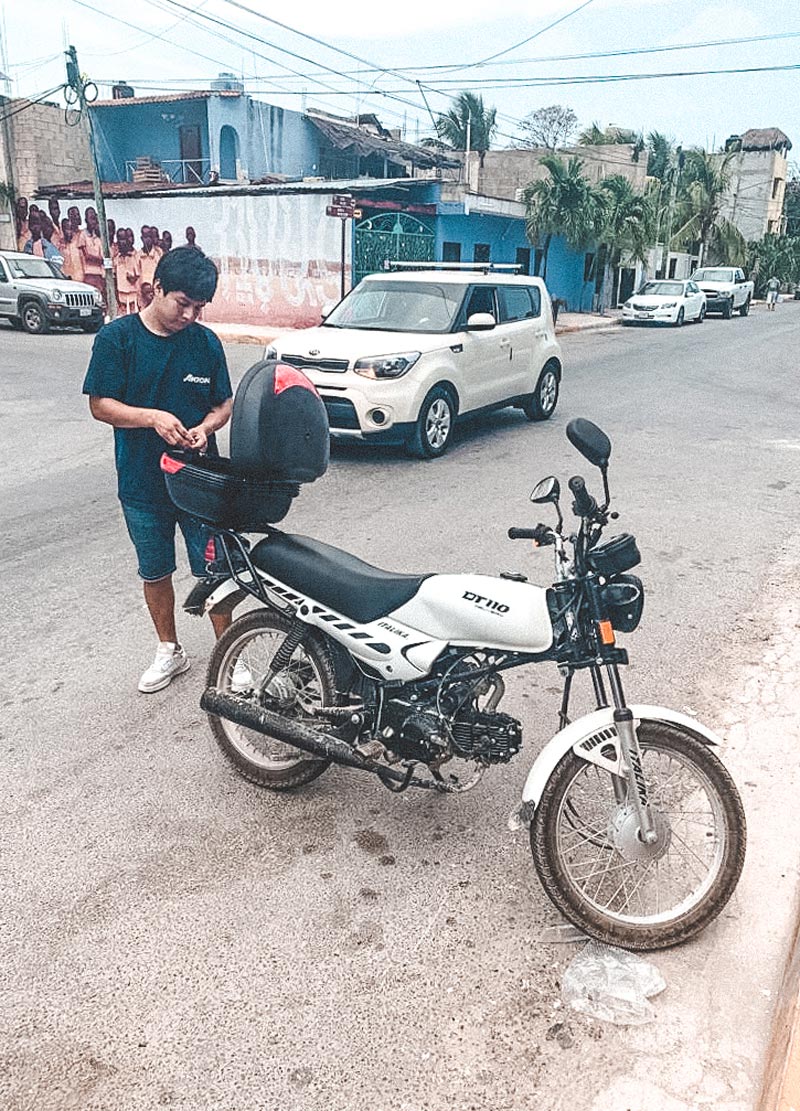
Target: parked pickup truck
(35,296)
(726,289)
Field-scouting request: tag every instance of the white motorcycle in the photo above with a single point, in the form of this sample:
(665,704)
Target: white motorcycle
(636,828)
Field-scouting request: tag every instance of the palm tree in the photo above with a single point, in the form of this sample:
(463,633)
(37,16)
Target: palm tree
(597,136)
(660,152)
(628,226)
(705,182)
(468,125)
(564,203)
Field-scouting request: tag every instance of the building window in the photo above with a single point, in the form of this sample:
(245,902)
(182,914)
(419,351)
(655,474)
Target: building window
(673,262)
(523,260)
(481,253)
(451,252)
(770,227)
(776,186)
(588,266)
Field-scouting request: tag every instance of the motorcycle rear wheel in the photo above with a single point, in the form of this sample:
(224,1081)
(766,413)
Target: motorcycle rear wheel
(308,682)
(600,874)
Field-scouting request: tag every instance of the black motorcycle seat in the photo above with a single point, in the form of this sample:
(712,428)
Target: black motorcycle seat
(335,578)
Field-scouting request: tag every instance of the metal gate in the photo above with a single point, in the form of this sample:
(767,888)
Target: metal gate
(392,236)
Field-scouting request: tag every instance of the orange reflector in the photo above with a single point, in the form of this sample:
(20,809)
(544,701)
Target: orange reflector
(606,632)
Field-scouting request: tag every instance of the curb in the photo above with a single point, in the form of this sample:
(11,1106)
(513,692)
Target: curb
(228,334)
(780,1088)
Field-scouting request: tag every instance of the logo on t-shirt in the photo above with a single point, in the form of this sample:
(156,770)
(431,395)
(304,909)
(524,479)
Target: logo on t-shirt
(197,379)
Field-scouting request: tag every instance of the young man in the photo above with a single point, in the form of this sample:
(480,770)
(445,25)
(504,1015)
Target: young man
(160,379)
(773,289)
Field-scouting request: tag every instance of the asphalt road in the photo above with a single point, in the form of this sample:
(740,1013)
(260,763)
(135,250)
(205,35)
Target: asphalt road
(175,937)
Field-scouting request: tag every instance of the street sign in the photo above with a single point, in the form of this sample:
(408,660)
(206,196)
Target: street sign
(344,212)
(343,200)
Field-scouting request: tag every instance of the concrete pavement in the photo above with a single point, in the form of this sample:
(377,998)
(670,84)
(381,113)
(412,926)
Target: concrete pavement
(173,937)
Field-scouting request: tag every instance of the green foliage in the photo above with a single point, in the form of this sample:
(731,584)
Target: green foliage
(791,206)
(774,256)
(597,136)
(563,203)
(660,155)
(467,108)
(700,196)
(628,226)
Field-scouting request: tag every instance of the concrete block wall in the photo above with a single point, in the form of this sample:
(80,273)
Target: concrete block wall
(42,149)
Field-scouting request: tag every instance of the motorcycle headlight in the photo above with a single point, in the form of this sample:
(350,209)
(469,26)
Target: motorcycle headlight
(386,366)
(56,295)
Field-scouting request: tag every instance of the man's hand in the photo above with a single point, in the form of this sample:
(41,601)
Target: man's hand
(170,429)
(199,437)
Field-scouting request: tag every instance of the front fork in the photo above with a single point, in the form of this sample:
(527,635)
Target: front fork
(632,785)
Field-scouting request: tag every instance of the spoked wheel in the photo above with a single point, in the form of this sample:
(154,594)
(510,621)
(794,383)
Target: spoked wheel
(606,880)
(238,663)
(541,404)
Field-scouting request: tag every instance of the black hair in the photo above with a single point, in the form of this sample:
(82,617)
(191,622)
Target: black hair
(189,271)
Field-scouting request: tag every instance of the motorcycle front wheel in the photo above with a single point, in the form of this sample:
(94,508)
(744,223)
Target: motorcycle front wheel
(237,666)
(600,873)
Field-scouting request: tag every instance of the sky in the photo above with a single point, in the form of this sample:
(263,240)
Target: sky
(169,45)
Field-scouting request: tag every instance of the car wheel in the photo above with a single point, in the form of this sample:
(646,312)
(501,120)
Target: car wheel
(434,427)
(745,308)
(727,311)
(33,318)
(680,318)
(701,315)
(541,404)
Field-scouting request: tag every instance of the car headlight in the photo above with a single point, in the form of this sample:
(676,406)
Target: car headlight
(56,295)
(669,305)
(271,352)
(386,366)
(98,297)
(628,305)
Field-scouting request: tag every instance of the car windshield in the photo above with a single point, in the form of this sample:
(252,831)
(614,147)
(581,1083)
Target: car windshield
(33,268)
(389,306)
(664,289)
(713,274)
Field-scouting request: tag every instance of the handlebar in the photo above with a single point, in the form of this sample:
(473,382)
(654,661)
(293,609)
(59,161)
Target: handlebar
(584,504)
(541,535)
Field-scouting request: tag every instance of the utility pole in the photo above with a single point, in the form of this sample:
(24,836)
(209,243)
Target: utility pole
(76,82)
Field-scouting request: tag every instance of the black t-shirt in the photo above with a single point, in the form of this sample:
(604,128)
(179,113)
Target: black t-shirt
(185,374)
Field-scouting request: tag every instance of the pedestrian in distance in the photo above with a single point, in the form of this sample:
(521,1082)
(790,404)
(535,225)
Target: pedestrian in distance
(773,289)
(161,380)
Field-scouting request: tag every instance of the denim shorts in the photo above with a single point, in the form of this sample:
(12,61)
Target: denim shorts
(152,531)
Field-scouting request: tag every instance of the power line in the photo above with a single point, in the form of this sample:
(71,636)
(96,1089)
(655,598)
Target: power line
(530,38)
(29,102)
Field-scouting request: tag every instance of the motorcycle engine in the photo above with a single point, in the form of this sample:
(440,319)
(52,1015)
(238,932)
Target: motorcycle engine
(418,731)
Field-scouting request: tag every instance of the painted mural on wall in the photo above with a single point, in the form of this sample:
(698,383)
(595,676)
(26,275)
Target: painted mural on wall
(279,256)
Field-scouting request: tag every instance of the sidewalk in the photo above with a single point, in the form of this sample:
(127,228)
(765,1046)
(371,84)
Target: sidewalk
(262,334)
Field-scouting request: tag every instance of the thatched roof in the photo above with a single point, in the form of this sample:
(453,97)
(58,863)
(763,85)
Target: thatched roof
(765,138)
(348,137)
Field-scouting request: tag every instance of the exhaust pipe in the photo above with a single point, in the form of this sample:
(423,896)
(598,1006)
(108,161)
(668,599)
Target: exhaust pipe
(323,745)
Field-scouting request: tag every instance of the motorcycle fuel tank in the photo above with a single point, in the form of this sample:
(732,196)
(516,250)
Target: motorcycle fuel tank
(481,610)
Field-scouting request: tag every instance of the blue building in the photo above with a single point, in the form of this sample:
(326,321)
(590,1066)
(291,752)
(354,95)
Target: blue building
(224,135)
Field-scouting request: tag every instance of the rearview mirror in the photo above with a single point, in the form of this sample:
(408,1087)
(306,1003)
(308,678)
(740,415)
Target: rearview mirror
(548,490)
(591,441)
(480,322)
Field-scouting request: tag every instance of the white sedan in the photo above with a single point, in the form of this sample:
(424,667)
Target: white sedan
(666,301)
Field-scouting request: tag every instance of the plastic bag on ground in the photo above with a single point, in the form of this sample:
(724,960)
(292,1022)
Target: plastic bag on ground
(611,985)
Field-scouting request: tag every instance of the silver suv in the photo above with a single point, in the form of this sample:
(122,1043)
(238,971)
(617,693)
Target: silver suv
(35,296)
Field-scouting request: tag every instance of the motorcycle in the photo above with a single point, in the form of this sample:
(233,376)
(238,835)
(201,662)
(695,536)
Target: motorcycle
(637,830)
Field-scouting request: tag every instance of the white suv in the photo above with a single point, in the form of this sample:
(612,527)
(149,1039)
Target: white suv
(405,353)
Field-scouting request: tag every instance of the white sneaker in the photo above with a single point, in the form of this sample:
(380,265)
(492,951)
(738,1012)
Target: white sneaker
(170,661)
(241,680)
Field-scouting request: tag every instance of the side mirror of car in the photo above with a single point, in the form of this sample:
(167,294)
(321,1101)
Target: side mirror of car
(481,322)
(327,310)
